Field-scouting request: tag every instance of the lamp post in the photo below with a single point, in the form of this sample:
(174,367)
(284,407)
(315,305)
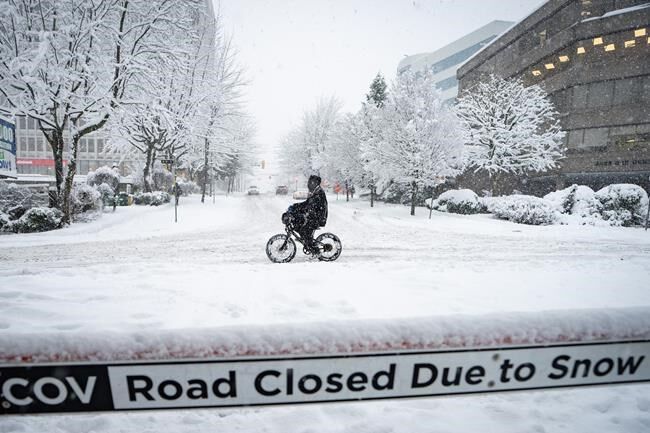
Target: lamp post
(647,215)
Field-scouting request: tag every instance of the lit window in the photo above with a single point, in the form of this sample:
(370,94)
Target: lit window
(549,66)
(629,44)
(598,41)
(610,47)
(639,32)
(537,73)
(564,59)
(581,50)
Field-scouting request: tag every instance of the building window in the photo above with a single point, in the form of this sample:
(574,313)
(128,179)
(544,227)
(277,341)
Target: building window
(83,146)
(575,138)
(580,50)
(627,90)
(610,47)
(91,145)
(564,59)
(598,41)
(595,137)
(639,33)
(23,144)
(630,43)
(549,66)
(537,72)
(31,144)
(31,124)
(600,94)
(22,122)
(100,145)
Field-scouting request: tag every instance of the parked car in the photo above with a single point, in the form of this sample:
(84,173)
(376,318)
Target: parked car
(282,190)
(301,194)
(252,190)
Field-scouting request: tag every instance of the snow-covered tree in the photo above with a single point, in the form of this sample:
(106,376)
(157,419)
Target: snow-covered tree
(509,128)
(417,139)
(374,100)
(303,149)
(377,94)
(342,157)
(67,65)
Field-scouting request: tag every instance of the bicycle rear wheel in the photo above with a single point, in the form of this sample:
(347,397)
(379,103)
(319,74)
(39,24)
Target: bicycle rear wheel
(280,249)
(330,247)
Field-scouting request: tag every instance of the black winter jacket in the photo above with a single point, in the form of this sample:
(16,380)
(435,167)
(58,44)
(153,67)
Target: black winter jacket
(314,208)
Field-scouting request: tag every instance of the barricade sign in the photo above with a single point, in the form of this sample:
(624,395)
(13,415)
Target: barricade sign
(222,383)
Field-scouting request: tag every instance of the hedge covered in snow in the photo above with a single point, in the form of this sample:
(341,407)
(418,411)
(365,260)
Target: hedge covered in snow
(37,219)
(615,205)
(523,209)
(461,201)
(155,198)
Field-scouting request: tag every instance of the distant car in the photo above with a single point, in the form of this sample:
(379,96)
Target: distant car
(282,190)
(252,190)
(301,194)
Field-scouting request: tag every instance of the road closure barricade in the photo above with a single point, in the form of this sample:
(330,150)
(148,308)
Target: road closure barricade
(323,362)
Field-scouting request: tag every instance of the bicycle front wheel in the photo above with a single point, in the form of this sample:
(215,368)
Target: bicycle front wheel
(280,249)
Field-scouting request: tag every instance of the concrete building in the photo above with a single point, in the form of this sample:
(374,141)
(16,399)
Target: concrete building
(444,62)
(593,58)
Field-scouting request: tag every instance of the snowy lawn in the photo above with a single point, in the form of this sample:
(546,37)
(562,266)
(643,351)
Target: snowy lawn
(136,271)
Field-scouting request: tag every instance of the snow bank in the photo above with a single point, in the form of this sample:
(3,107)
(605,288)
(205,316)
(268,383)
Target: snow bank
(459,331)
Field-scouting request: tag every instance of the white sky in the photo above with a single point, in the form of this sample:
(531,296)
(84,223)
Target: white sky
(296,51)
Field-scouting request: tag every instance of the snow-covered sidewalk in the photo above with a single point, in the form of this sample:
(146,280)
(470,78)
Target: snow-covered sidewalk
(136,271)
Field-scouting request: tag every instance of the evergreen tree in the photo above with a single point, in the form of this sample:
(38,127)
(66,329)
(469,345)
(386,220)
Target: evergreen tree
(377,94)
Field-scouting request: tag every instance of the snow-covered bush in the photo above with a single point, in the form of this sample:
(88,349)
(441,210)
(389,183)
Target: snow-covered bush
(623,204)
(4,221)
(523,209)
(13,196)
(155,198)
(104,175)
(38,219)
(85,198)
(577,200)
(107,193)
(188,187)
(462,201)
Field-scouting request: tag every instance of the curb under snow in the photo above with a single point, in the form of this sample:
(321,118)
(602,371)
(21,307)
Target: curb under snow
(340,337)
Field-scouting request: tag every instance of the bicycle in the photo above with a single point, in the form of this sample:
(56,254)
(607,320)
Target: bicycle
(281,248)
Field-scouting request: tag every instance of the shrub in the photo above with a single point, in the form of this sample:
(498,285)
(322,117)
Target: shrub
(523,209)
(38,219)
(20,198)
(577,200)
(107,193)
(623,204)
(461,201)
(4,221)
(188,187)
(85,198)
(155,198)
(102,175)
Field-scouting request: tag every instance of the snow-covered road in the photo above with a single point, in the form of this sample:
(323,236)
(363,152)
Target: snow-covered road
(136,270)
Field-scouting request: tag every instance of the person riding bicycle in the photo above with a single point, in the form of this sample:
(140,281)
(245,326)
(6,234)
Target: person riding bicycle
(310,214)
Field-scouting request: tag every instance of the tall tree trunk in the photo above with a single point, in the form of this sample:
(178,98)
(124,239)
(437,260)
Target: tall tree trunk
(414,191)
(55,139)
(205,169)
(372,195)
(347,190)
(494,184)
(148,164)
(69,181)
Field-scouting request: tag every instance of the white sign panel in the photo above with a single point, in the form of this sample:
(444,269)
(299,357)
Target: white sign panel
(318,379)
(7,148)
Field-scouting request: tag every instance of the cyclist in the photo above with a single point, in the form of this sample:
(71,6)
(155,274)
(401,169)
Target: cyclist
(310,214)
